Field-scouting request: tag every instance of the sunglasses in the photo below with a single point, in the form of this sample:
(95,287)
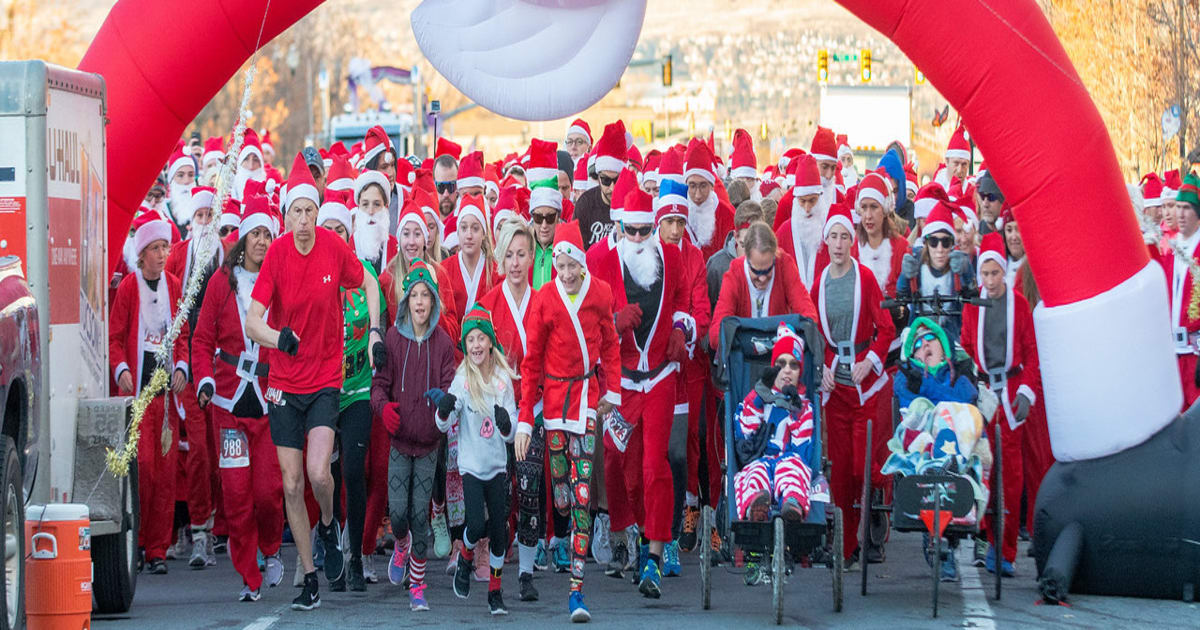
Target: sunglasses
(606,181)
(544,218)
(445,188)
(645,230)
(989,197)
(923,339)
(760,272)
(945,242)
(787,364)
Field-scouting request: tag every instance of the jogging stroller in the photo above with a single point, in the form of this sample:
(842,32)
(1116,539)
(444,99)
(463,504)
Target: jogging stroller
(745,352)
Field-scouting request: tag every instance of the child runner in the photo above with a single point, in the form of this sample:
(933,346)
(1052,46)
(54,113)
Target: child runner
(480,401)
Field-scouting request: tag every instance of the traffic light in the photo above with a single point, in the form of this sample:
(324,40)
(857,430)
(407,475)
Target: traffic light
(918,76)
(864,65)
(823,66)
(667,71)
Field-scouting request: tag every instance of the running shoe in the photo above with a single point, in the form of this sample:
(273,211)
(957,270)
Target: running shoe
(354,574)
(482,570)
(398,566)
(982,551)
(182,546)
(602,539)
(671,566)
(441,536)
(369,573)
(496,603)
(416,597)
(714,541)
(643,559)
(452,562)
(249,594)
(308,598)
(273,570)
(211,560)
(950,568)
(691,522)
(331,539)
(200,543)
(562,557)
(620,556)
(528,592)
(579,610)
(541,559)
(462,577)
(158,566)
(650,586)
(220,544)
(1006,567)
(792,510)
(760,507)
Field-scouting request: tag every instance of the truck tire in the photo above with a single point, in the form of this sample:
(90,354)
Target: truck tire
(115,556)
(12,505)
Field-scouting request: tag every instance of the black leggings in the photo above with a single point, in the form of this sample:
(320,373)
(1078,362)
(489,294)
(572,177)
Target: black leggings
(486,503)
(354,424)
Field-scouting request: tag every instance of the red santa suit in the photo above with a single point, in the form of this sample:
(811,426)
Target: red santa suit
(509,318)
(643,494)
(785,294)
(468,285)
(1186,329)
(699,161)
(848,407)
(800,237)
(138,321)
(251,482)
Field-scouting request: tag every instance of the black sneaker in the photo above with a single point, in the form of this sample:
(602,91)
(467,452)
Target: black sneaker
(496,602)
(335,562)
(616,568)
(338,585)
(308,598)
(528,592)
(221,544)
(358,582)
(462,577)
(158,566)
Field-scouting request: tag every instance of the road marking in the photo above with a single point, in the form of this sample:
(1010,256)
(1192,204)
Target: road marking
(977,612)
(262,623)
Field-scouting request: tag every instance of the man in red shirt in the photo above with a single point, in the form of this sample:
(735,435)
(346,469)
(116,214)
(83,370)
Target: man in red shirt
(300,283)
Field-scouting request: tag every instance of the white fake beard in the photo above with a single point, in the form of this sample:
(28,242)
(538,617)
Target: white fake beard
(205,236)
(809,229)
(243,176)
(370,234)
(702,219)
(181,203)
(642,261)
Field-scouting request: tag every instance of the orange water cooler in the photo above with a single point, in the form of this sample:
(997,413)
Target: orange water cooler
(58,568)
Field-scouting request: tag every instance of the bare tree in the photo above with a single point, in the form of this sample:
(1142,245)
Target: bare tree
(1177,22)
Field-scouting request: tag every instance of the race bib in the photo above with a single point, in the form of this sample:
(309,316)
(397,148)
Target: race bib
(235,449)
(274,396)
(152,342)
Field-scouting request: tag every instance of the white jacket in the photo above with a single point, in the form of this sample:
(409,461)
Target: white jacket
(481,450)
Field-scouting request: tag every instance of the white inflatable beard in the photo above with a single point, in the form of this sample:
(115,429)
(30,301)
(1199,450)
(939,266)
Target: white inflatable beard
(642,261)
(702,219)
(181,203)
(370,234)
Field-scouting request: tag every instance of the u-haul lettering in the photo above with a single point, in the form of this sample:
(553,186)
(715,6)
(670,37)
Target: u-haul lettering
(62,155)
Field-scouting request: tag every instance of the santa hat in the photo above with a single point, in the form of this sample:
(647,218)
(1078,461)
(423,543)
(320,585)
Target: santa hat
(788,343)
(1172,182)
(580,126)
(959,147)
(650,171)
(672,200)
(634,157)
(470,170)
(491,178)
(743,161)
(426,202)
(214,149)
(581,175)
(670,167)
(785,160)
(231,214)
(806,176)
(544,193)
(472,206)
(257,213)
(910,176)
(928,197)
(873,186)
(824,145)
(250,146)
(266,141)
(513,203)
(202,197)
(337,208)
(767,187)
(147,228)
(638,207)
(366,178)
(941,219)
(178,160)
(839,214)
(612,149)
(543,160)
(568,241)
(699,161)
(789,180)
(1006,217)
(447,147)
(1152,188)
(843,146)
(300,184)
(405,173)
(626,182)
(412,214)
(341,175)
(990,248)
(376,142)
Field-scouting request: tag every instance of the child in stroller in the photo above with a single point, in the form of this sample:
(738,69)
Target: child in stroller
(773,437)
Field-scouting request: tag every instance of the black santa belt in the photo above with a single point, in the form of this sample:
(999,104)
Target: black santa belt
(638,376)
(997,379)
(260,369)
(570,381)
(847,351)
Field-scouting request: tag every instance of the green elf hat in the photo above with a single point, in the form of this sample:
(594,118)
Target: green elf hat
(544,193)
(418,271)
(479,318)
(1190,191)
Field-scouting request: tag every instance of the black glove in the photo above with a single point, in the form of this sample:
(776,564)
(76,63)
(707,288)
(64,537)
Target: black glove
(379,353)
(1022,410)
(913,377)
(503,422)
(204,396)
(288,342)
(769,375)
(792,393)
(965,367)
(446,405)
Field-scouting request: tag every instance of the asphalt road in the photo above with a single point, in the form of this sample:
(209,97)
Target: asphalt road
(899,598)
